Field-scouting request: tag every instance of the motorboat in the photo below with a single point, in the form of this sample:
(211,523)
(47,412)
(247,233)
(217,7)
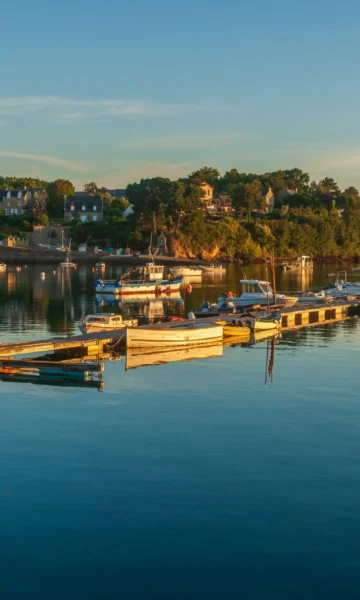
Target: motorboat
(174,334)
(341,288)
(256,291)
(234,329)
(105,322)
(208,309)
(300,263)
(213,268)
(185,271)
(314,298)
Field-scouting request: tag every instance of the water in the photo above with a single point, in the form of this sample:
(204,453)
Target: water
(213,478)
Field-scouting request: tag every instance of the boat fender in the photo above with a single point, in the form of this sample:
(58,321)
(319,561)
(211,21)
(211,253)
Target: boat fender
(188,289)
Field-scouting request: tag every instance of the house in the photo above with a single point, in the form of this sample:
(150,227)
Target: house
(128,211)
(16,202)
(85,207)
(285,192)
(269,199)
(208,193)
(118,193)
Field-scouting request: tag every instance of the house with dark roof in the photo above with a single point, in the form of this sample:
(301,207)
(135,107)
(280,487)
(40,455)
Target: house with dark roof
(16,202)
(85,207)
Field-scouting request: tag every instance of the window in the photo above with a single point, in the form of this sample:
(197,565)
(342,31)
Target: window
(72,207)
(94,208)
(9,194)
(94,217)
(83,218)
(83,207)
(19,203)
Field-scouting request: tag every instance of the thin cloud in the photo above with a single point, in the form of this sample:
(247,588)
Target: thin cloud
(193,140)
(69,110)
(48,160)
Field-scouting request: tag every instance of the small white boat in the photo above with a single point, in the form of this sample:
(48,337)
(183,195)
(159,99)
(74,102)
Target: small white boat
(300,263)
(2,267)
(174,334)
(135,288)
(105,322)
(257,292)
(314,298)
(185,271)
(213,268)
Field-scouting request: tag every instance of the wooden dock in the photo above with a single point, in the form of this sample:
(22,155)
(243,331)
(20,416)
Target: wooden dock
(94,345)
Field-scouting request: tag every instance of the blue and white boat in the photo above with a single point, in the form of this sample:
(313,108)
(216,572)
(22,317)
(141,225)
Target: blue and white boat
(149,283)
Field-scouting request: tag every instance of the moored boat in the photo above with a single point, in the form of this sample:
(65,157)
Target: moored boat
(213,268)
(138,287)
(314,298)
(67,263)
(301,263)
(258,292)
(173,334)
(105,322)
(185,271)
(3,267)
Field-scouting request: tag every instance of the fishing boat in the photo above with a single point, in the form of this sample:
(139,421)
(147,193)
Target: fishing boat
(264,322)
(260,292)
(149,283)
(213,268)
(105,322)
(2,267)
(67,263)
(234,329)
(185,333)
(142,357)
(301,263)
(185,271)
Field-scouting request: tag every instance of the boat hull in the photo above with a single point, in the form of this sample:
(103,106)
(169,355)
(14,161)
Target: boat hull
(173,335)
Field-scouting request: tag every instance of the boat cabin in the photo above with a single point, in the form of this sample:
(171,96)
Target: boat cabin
(255,286)
(154,272)
(108,319)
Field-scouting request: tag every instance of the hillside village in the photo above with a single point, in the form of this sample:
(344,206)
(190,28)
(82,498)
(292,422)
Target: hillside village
(236,216)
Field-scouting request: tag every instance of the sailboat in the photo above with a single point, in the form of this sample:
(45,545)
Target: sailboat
(67,264)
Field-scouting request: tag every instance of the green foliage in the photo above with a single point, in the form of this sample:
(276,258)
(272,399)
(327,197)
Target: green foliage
(57,190)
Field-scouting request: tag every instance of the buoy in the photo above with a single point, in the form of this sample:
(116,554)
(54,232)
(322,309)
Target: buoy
(188,288)
(42,275)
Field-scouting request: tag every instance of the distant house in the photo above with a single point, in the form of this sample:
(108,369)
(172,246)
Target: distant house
(85,207)
(208,193)
(17,202)
(285,192)
(269,199)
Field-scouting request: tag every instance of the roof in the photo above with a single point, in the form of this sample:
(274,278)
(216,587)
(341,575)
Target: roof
(206,183)
(87,200)
(118,193)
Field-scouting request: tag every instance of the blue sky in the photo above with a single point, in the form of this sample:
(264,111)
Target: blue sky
(112,91)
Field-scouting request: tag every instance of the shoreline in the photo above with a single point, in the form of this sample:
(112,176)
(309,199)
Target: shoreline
(37,256)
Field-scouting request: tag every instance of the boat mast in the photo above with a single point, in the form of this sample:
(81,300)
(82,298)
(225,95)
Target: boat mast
(273,283)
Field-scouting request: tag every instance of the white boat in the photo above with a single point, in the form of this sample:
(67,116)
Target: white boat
(2,267)
(142,357)
(186,271)
(341,288)
(314,298)
(257,292)
(173,334)
(300,263)
(67,264)
(105,322)
(153,272)
(213,268)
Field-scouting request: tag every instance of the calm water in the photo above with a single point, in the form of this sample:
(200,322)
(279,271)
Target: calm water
(236,476)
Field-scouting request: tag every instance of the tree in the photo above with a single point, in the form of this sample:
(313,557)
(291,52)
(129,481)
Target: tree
(57,190)
(208,174)
(91,188)
(296,178)
(247,196)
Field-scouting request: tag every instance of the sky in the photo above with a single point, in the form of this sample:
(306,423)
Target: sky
(113,91)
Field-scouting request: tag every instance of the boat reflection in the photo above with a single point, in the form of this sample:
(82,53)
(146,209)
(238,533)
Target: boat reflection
(148,308)
(252,339)
(137,357)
